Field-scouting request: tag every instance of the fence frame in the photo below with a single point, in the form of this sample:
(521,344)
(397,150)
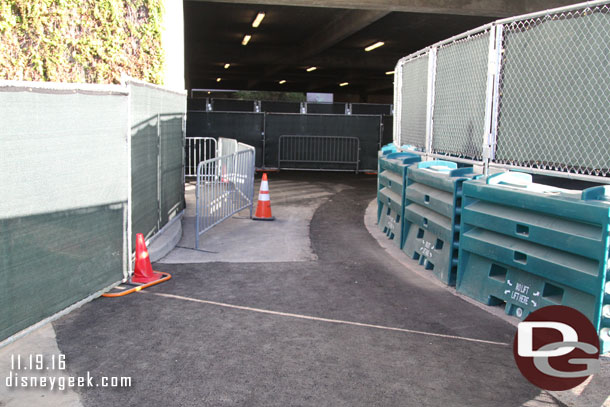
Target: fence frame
(192,160)
(208,183)
(332,139)
(492,101)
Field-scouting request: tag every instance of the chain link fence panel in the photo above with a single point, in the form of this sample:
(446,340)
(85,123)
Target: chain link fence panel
(459,97)
(554,111)
(412,109)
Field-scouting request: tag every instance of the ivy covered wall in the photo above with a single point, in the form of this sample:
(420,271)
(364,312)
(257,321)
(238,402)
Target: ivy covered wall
(81,40)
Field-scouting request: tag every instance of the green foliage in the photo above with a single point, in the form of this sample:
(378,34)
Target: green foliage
(270,96)
(81,40)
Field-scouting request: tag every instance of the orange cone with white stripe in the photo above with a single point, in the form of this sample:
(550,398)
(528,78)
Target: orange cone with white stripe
(263,209)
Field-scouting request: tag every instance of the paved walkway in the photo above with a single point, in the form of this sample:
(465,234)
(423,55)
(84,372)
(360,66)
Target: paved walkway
(326,317)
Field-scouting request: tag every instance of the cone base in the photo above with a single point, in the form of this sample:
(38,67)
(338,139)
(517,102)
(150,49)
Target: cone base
(157,275)
(257,218)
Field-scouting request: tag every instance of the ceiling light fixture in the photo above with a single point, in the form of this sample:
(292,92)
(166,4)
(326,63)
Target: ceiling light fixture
(389,73)
(311,68)
(344,84)
(259,18)
(227,66)
(283,81)
(246,39)
(218,79)
(373,46)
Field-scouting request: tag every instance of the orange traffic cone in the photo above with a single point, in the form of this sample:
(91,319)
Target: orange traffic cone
(263,209)
(143,273)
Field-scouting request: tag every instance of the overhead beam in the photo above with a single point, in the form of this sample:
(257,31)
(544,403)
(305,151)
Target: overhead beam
(487,8)
(344,25)
(339,58)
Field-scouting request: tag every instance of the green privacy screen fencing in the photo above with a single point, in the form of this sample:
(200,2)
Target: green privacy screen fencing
(64,209)
(65,181)
(157,146)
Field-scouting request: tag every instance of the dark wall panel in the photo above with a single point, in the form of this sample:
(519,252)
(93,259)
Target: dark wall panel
(366,128)
(244,127)
(368,108)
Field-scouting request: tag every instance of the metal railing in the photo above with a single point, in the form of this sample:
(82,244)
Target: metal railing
(226,146)
(318,150)
(225,186)
(528,92)
(198,149)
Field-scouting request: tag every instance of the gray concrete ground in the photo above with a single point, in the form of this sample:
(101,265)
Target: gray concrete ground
(40,342)
(341,322)
(241,240)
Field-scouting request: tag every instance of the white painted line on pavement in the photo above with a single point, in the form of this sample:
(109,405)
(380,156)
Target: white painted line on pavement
(334,321)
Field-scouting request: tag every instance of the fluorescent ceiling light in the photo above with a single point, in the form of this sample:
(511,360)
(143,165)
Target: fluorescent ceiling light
(344,84)
(283,81)
(258,19)
(373,46)
(389,73)
(218,79)
(227,66)
(246,39)
(311,68)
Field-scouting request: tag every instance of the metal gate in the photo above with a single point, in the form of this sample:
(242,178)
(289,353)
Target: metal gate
(225,186)
(319,150)
(198,149)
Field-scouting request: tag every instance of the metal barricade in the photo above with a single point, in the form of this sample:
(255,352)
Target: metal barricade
(198,149)
(319,150)
(226,146)
(225,186)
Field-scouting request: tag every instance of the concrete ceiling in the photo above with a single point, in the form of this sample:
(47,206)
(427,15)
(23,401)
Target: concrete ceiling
(330,35)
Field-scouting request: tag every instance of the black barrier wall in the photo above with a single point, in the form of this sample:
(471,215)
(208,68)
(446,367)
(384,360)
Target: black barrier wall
(387,136)
(263,130)
(365,128)
(244,127)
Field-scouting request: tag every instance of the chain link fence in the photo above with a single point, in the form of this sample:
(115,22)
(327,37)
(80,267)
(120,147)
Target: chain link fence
(554,112)
(459,96)
(412,77)
(528,92)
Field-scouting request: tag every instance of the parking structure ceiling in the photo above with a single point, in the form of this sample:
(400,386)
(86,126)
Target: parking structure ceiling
(292,38)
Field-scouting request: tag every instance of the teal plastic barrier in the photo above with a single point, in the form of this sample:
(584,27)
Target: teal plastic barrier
(391,181)
(387,149)
(530,245)
(432,216)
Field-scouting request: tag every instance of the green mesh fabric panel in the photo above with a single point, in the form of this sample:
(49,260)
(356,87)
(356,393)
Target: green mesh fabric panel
(157,156)
(459,97)
(51,261)
(388,130)
(171,153)
(414,94)
(554,110)
(144,185)
(63,160)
